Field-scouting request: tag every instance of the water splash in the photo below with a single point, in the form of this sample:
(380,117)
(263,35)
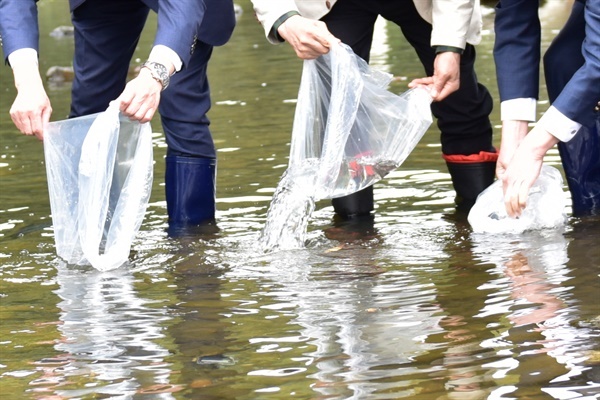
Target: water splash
(301,186)
(287,219)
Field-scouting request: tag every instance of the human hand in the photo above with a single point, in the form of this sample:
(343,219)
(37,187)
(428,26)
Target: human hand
(513,133)
(139,101)
(445,79)
(309,38)
(31,109)
(524,168)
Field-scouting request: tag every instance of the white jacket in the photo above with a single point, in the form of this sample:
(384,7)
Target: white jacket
(455,22)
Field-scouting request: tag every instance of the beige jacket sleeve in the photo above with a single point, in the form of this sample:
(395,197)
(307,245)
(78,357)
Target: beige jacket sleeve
(268,12)
(455,22)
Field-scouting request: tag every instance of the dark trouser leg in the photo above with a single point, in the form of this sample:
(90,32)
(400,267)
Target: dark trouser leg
(581,155)
(190,178)
(106,35)
(463,117)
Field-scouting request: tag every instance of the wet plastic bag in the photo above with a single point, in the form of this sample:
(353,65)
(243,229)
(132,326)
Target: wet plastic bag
(349,130)
(545,206)
(100,172)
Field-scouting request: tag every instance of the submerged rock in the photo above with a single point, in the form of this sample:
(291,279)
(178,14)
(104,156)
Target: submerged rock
(62,31)
(215,359)
(58,74)
(238,11)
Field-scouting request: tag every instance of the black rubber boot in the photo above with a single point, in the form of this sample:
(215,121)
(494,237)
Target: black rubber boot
(354,205)
(469,180)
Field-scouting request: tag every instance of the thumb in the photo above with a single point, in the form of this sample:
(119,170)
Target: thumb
(436,88)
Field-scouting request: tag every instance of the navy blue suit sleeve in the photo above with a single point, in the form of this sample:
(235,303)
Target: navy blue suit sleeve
(18,25)
(218,23)
(178,25)
(517,48)
(582,92)
(182,22)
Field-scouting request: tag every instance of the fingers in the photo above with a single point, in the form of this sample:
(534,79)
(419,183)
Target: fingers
(46,113)
(309,39)
(523,167)
(139,101)
(138,110)
(421,82)
(438,89)
(31,118)
(439,93)
(446,75)
(37,124)
(500,169)
(515,198)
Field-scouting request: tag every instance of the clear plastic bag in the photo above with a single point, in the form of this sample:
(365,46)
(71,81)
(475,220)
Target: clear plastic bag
(349,130)
(545,207)
(100,172)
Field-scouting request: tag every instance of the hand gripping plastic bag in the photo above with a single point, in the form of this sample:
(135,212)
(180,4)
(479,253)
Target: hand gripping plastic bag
(349,130)
(100,172)
(545,207)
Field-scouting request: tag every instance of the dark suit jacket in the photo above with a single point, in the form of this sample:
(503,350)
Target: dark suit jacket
(517,55)
(180,23)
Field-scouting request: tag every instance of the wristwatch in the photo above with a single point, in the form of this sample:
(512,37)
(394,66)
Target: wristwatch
(159,73)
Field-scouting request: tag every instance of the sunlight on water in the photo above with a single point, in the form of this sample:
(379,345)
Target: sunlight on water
(408,303)
(294,199)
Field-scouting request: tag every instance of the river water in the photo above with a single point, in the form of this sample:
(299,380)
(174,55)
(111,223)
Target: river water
(410,304)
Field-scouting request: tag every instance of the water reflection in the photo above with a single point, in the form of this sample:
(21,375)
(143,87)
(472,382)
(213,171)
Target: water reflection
(407,305)
(110,341)
(361,324)
(540,345)
(201,331)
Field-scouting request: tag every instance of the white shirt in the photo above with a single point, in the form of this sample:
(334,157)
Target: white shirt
(553,121)
(160,53)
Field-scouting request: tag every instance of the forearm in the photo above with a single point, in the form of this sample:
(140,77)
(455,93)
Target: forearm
(268,12)
(24,64)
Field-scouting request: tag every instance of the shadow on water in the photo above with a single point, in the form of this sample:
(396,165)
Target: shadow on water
(406,304)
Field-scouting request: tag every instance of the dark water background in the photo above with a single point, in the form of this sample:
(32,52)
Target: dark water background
(415,306)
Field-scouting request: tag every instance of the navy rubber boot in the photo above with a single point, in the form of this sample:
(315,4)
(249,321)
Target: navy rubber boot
(190,186)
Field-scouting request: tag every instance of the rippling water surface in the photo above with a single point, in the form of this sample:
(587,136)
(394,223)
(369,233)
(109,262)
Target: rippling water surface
(408,304)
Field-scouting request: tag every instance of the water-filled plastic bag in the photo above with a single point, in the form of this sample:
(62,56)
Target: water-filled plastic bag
(100,172)
(545,206)
(349,131)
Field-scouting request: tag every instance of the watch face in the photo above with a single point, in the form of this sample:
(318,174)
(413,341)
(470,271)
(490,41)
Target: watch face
(159,72)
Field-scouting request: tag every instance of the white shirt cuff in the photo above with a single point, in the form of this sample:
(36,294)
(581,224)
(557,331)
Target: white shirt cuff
(559,126)
(25,56)
(162,54)
(523,109)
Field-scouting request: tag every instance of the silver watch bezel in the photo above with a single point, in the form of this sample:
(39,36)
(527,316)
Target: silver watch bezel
(159,72)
